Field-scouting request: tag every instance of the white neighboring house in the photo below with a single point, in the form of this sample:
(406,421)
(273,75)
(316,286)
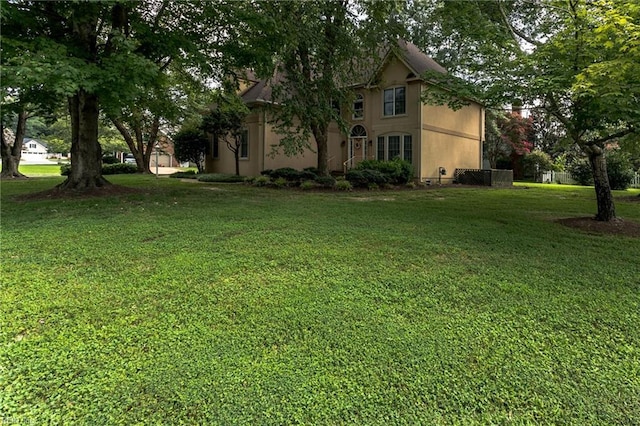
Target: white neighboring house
(34,150)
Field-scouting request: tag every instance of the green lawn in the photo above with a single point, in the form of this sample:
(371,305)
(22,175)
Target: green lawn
(224,304)
(39,170)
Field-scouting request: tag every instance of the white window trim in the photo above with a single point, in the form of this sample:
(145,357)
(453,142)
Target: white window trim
(246,157)
(394,101)
(359,97)
(386,145)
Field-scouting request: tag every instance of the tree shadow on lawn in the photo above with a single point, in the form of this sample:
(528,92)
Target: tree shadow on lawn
(586,224)
(65,194)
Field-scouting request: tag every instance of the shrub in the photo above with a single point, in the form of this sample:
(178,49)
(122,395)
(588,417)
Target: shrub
(307,184)
(220,177)
(119,169)
(396,171)
(362,178)
(109,159)
(107,169)
(325,181)
(262,181)
(280,182)
(187,174)
(619,169)
(308,175)
(313,170)
(411,185)
(288,173)
(343,185)
(581,172)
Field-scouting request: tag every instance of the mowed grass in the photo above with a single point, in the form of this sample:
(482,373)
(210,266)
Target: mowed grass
(226,304)
(39,170)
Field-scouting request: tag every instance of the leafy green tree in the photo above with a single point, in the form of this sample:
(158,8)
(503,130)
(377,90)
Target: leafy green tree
(577,60)
(225,120)
(317,50)
(102,55)
(190,144)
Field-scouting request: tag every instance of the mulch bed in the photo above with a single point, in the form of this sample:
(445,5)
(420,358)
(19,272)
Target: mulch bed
(618,226)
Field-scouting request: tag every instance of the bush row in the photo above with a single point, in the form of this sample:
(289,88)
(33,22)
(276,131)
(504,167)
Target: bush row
(372,173)
(107,169)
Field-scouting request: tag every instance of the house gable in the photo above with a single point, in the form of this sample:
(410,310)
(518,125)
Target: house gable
(390,121)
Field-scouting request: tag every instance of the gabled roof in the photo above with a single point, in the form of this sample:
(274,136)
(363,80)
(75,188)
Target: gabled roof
(27,140)
(412,57)
(258,92)
(417,61)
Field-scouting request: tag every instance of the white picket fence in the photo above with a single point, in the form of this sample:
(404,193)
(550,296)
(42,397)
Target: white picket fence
(565,177)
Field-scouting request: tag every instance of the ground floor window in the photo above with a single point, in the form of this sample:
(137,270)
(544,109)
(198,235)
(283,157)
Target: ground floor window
(215,146)
(244,144)
(395,146)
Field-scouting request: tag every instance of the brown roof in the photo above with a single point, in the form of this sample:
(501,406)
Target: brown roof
(416,60)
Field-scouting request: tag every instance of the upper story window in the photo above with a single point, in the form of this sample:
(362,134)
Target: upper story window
(358,107)
(32,146)
(394,101)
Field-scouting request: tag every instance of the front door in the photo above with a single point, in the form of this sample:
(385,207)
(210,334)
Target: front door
(357,150)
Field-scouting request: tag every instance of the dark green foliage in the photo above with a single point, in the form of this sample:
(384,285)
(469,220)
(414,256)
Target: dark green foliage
(290,174)
(364,178)
(396,171)
(107,169)
(325,181)
(619,169)
(119,168)
(581,172)
(190,144)
(188,174)
(110,159)
(220,177)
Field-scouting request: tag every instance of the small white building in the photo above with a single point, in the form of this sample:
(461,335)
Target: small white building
(34,150)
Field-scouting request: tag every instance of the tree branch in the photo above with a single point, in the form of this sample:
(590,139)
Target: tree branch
(617,135)
(514,31)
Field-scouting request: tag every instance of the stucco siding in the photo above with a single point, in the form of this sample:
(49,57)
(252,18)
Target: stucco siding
(448,151)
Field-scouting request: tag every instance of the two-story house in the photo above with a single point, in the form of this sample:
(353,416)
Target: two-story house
(387,120)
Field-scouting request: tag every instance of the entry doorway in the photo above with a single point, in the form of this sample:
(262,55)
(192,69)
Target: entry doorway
(357,149)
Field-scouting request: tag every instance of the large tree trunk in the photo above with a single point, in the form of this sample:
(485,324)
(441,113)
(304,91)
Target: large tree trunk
(604,198)
(11,154)
(320,134)
(86,153)
(141,152)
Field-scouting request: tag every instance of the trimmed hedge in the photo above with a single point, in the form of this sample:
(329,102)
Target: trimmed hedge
(291,175)
(396,171)
(187,174)
(107,169)
(364,178)
(220,177)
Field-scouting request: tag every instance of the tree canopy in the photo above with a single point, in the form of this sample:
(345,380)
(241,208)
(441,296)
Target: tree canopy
(575,60)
